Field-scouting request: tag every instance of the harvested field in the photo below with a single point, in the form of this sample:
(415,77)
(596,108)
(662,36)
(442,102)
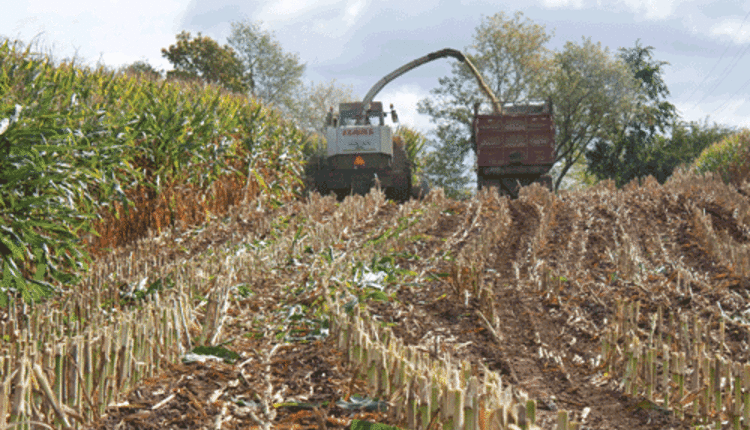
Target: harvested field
(529,289)
(614,309)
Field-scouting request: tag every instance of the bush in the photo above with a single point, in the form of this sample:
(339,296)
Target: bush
(729,158)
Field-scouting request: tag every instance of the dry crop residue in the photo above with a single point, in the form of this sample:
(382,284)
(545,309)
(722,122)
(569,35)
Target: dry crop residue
(527,288)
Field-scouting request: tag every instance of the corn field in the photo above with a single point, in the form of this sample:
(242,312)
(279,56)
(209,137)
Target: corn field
(92,159)
(232,302)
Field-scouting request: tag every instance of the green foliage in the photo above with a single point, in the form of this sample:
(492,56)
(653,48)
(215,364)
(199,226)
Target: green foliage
(269,73)
(443,164)
(142,69)
(360,403)
(510,55)
(387,264)
(729,157)
(52,173)
(244,291)
(366,425)
(203,59)
(685,144)
(414,144)
(298,406)
(693,137)
(577,178)
(227,355)
(588,87)
(138,291)
(629,150)
(75,141)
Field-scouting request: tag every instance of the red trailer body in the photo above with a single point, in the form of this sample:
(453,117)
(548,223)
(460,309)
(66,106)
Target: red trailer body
(515,148)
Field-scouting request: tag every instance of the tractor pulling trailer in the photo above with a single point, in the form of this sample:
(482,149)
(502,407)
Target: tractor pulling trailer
(513,149)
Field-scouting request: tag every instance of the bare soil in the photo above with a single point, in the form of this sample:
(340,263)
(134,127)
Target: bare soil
(474,285)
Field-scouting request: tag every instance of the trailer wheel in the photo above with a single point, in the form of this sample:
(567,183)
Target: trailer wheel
(506,186)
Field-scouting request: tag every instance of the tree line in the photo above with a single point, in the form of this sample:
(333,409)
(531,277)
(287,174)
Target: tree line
(254,63)
(613,117)
(612,111)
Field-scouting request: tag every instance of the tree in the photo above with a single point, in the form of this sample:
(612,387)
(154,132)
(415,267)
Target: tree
(443,164)
(729,158)
(268,72)
(586,84)
(589,90)
(141,68)
(314,101)
(510,55)
(204,59)
(414,144)
(630,150)
(686,143)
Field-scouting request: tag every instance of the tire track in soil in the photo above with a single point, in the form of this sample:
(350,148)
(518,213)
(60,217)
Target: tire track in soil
(690,247)
(600,234)
(533,329)
(526,325)
(525,222)
(722,220)
(530,325)
(560,234)
(648,223)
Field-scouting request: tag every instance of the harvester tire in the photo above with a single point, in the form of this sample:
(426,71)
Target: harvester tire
(322,188)
(315,173)
(401,189)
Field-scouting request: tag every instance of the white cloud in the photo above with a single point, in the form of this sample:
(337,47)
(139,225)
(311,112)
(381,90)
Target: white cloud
(283,10)
(331,18)
(733,29)
(688,74)
(732,112)
(560,4)
(653,10)
(116,31)
(353,11)
(405,98)
(719,109)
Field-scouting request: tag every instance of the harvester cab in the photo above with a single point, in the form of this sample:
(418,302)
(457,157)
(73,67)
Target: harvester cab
(356,133)
(352,114)
(361,153)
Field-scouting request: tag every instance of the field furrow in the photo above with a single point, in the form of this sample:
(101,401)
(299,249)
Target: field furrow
(625,309)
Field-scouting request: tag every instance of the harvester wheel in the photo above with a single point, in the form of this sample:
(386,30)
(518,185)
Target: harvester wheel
(316,170)
(321,187)
(401,189)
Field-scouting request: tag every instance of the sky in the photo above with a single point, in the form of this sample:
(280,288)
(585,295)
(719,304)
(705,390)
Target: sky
(357,42)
